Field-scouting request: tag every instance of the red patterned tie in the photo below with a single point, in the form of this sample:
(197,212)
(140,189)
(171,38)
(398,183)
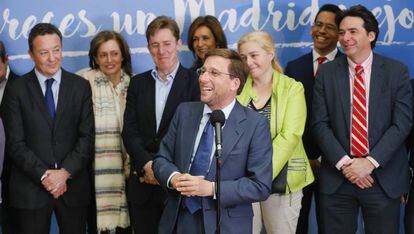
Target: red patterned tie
(359,134)
(320,61)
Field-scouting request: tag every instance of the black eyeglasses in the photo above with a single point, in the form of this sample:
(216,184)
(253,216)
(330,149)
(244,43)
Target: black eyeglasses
(330,27)
(213,72)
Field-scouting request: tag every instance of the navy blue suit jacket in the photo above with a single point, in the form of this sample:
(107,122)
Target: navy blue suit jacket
(389,123)
(36,142)
(246,170)
(301,69)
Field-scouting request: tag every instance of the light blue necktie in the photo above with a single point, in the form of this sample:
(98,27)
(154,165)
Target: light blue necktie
(200,164)
(50,103)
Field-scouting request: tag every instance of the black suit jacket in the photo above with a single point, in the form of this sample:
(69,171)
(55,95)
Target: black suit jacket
(301,69)
(140,136)
(36,142)
(410,140)
(12,76)
(389,122)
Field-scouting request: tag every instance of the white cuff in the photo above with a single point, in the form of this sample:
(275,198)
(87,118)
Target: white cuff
(170,177)
(373,161)
(43,176)
(344,160)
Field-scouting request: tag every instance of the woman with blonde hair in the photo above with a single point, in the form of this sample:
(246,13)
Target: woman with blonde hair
(109,76)
(281,99)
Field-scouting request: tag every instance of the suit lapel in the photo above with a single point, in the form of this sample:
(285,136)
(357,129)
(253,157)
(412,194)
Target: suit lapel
(232,131)
(149,103)
(309,64)
(174,95)
(38,97)
(64,91)
(343,88)
(193,123)
(376,85)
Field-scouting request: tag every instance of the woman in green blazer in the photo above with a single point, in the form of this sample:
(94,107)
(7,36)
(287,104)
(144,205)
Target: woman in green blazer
(281,99)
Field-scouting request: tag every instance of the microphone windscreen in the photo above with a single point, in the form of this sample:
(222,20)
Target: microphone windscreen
(217,116)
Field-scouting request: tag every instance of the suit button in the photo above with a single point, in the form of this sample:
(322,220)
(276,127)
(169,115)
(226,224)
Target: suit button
(156,139)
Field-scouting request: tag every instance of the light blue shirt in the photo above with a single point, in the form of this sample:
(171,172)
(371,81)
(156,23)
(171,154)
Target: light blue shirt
(55,85)
(162,89)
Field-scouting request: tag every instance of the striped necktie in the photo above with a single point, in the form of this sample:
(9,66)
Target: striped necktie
(359,132)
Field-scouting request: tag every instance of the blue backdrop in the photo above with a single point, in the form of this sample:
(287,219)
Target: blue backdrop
(287,21)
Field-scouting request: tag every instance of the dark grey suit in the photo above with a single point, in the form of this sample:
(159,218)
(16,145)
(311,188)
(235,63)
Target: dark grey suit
(36,143)
(301,69)
(409,208)
(390,116)
(142,140)
(2,146)
(246,169)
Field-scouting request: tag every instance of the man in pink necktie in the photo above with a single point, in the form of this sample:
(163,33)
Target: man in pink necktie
(362,112)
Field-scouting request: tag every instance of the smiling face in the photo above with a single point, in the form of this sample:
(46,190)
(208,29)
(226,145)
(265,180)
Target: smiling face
(258,60)
(354,39)
(47,54)
(109,58)
(163,47)
(203,40)
(218,89)
(324,33)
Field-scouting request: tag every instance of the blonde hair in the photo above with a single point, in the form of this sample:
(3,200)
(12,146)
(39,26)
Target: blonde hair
(265,41)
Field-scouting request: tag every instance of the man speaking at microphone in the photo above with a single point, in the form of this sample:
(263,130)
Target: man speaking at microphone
(185,163)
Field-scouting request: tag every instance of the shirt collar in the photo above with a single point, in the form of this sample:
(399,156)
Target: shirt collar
(155,75)
(41,78)
(330,56)
(367,63)
(6,78)
(226,110)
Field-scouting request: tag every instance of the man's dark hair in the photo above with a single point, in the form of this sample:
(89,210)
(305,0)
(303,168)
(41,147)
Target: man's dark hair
(237,67)
(370,22)
(162,22)
(329,8)
(2,52)
(42,29)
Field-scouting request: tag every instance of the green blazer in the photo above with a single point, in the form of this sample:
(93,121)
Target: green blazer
(287,123)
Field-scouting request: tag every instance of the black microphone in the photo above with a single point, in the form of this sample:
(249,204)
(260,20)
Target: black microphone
(217,119)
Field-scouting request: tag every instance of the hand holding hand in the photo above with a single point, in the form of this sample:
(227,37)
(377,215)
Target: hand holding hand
(189,185)
(55,182)
(59,191)
(358,171)
(149,177)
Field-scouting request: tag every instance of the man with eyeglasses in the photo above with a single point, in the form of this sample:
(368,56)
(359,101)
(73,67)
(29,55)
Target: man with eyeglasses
(185,165)
(152,99)
(324,33)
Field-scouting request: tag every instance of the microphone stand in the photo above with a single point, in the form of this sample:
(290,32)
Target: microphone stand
(218,119)
(218,179)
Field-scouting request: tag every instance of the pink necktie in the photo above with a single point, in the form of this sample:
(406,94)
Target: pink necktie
(359,132)
(320,61)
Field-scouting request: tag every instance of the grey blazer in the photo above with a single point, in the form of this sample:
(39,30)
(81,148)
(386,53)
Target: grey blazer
(389,123)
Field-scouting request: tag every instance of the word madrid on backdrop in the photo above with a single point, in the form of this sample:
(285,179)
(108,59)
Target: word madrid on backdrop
(287,21)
